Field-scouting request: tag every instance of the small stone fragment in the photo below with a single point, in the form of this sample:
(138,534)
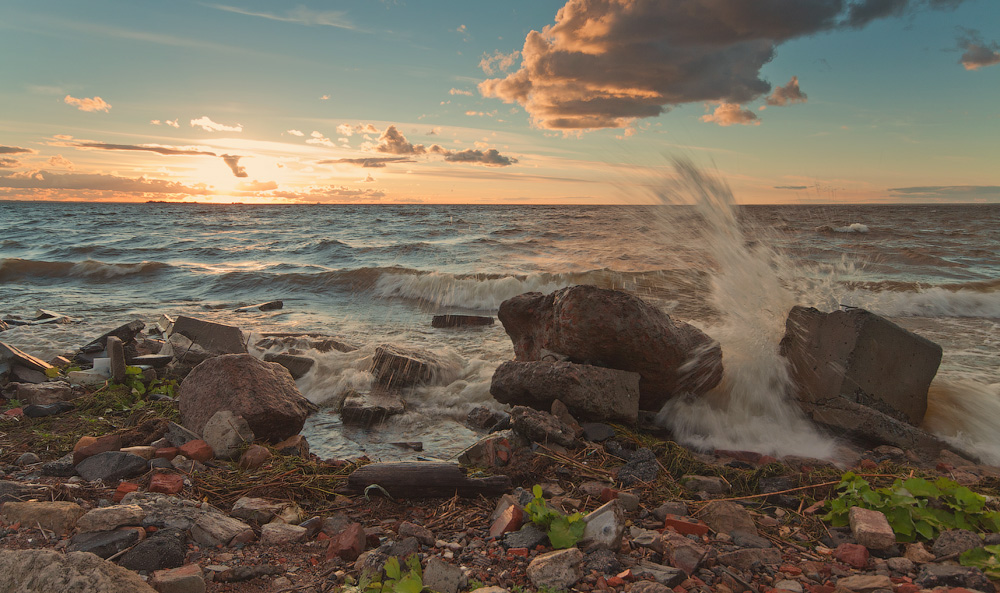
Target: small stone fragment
(556,570)
(871,529)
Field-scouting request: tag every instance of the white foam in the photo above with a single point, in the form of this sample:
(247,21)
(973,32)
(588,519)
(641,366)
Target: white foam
(856,227)
(930,302)
(965,413)
(448,290)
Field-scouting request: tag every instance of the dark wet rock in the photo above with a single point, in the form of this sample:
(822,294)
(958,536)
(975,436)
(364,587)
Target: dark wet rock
(641,467)
(604,561)
(157,361)
(597,432)
(371,408)
(541,427)
(166,548)
(103,543)
(485,418)
(298,366)
(442,321)
(261,392)
(212,338)
(178,435)
(126,333)
(589,392)
(616,330)
(60,468)
(955,541)
(860,357)
(395,366)
(268,306)
(932,576)
(111,466)
(528,536)
(40,411)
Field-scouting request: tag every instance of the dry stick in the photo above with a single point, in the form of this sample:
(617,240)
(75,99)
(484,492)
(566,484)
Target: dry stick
(112,557)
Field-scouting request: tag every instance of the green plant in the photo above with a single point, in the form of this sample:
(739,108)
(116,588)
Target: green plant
(52,373)
(986,559)
(564,530)
(915,507)
(166,387)
(134,379)
(396,581)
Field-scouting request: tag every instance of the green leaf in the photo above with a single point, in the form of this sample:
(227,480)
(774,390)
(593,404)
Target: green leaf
(537,491)
(565,533)
(921,488)
(392,569)
(52,372)
(924,529)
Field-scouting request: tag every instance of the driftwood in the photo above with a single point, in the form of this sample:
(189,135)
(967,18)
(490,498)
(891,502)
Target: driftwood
(424,479)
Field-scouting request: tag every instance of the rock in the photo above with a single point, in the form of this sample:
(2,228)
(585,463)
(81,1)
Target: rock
(423,535)
(510,519)
(184,464)
(376,559)
(484,418)
(556,570)
(295,445)
(116,354)
(143,451)
(541,427)
(605,527)
(603,561)
(170,512)
(683,553)
(616,330)
(528,536)
(32,571)
(589,392)
(745,559)
(871,529)
(443,577)
(45,393)
(865,583)
(258,510)
(854,555)
(641,467)
(298,366)
(312,525)
(261,392)
(441,321)
(216,529)
(27,459)
(254,457)
(89,446)
(123,489)
(750,540)
(371,408)
(709,484)
(165,548)
(108,518)
(41,411)
(672,507)
(198,450)
(395,366)
(186,579)
(178,435)
(166,483)
(103,543)
(667,576)
(494,450)
(650,587)
(685,525)
(25,376)
(62,467)
(955,541)
(111,466)
(281,533)
(58,517)
(214,338)
(335,523)
(268,306)
(597,432)
(17,491)
(729,518)
(226,434)
(860,357)
(901,566)
(89,377)
(932,576)
(157,361)
(348,543)
(126,333)
(788,585)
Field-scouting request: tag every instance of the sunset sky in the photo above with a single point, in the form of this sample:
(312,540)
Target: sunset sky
(579,101)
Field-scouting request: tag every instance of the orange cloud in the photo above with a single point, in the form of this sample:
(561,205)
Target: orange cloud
(84,104)
(727,114)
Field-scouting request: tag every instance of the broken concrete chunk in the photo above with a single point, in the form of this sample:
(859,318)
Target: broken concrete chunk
(215,338)
(14,356)
(396,366)
(371,408)
(298,366)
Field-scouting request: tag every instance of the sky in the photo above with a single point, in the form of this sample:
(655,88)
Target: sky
(539,101)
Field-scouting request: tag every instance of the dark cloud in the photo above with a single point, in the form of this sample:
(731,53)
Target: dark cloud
(392,141)
(954,193)
(604,63)
(95,181)
(978,53)
(16,150)
(369,163)
(790,93)
(164,150)
(791,187)
(490,158)
(9,163)
(233,161)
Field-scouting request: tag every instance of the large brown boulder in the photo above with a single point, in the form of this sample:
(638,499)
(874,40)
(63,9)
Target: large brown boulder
(262,392)
(590,393)
(613,329)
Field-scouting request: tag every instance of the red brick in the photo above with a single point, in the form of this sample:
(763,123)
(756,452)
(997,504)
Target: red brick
(523,552)
(509,520)
(348,544)
(852,554)
(88,446)
(684,525)
(615,582)
(15,412)
(793,571)
(197,450)
(123,489)
(167,453)
(166,483)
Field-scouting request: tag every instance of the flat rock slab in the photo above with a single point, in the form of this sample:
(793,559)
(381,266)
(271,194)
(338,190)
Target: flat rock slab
(45,570)
(103,543)
(589,392)
(268,306)
(371,408)
(398,366)
(298,366)
(58,516)
(213,337)
(111,466)
(45,393)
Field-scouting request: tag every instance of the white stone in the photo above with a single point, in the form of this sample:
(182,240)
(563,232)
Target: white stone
(605,527)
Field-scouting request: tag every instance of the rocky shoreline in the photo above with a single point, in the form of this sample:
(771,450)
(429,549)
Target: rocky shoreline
(205,484)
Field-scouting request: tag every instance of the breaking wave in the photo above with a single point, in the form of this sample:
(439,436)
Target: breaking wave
(12,269)
(856,227)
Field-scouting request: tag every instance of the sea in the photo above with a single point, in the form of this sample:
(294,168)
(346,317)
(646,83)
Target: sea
(373,274)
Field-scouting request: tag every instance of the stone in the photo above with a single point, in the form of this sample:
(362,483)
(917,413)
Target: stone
(254,457)
(186,579)
(170,512)
(25,376)
(788,585)
(955,541)
(597,432)
(667,576)
(745,559)
(932,576)
(226,434)
(642,466)
(376,559)
(528,536)
(854,555)
(556,570)
(126,333)
(108,518)
(672,507)
(89,446)
(541,427)
(395,366)
(683,553)
(494,450)
(510,519)
(62,467)
(213,338)
(116,354)
(615,330)
(871,529)
(729,518)
(335,523)
(423,535)
(103,543)
(59,517)
(183,464)
(143,451)
(649,587)
(750,540)
(589,392)
(268,306)
(281,533)
(442,321)
(28,458)
(88,377)
(348,543)
(45,393)
(216,529)
(177,435)
(295,445)
(685,525)
(166,483)
(371,408)
(261,392)
(900,565)
(298,366)
(629,501)
(605,527)
(111,466)
(484,418)
(46,570)
(257,510)
(443,577)
(709,484)
(165,548)
(865,583)
(167,453)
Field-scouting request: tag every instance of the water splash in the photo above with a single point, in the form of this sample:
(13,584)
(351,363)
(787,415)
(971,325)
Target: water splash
(751,408)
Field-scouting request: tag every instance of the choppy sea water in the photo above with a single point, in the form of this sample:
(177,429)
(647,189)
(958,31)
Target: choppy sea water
(372,274)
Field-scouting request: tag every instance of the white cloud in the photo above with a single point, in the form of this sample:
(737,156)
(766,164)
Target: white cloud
(319,139)
(345,130)
(295,133)
(498,62)
(210,126)
(460,92)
